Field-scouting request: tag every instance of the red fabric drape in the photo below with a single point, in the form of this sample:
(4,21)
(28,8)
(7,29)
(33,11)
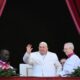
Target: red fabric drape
(74,8)
(2,5)
(42,78)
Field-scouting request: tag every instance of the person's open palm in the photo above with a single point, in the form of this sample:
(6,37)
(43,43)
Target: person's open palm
(29,48)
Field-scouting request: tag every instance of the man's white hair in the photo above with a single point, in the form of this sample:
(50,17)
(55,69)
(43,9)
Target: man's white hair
(70,45)
(43,43)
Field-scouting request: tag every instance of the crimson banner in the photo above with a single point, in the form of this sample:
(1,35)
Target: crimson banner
(2,5)
(74,8)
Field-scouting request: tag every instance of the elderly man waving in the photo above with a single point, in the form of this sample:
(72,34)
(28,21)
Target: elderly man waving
(45,63)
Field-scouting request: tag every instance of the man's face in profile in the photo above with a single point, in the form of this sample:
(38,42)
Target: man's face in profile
(5,55)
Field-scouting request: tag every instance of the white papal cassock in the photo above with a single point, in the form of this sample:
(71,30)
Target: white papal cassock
(43,65)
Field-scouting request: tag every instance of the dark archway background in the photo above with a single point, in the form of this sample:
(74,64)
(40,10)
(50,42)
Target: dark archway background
(25,21)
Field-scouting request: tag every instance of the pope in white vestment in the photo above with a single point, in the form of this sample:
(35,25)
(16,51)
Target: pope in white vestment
(44,65)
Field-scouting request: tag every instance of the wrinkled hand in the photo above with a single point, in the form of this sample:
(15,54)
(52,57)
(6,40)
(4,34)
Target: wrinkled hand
(29,48)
